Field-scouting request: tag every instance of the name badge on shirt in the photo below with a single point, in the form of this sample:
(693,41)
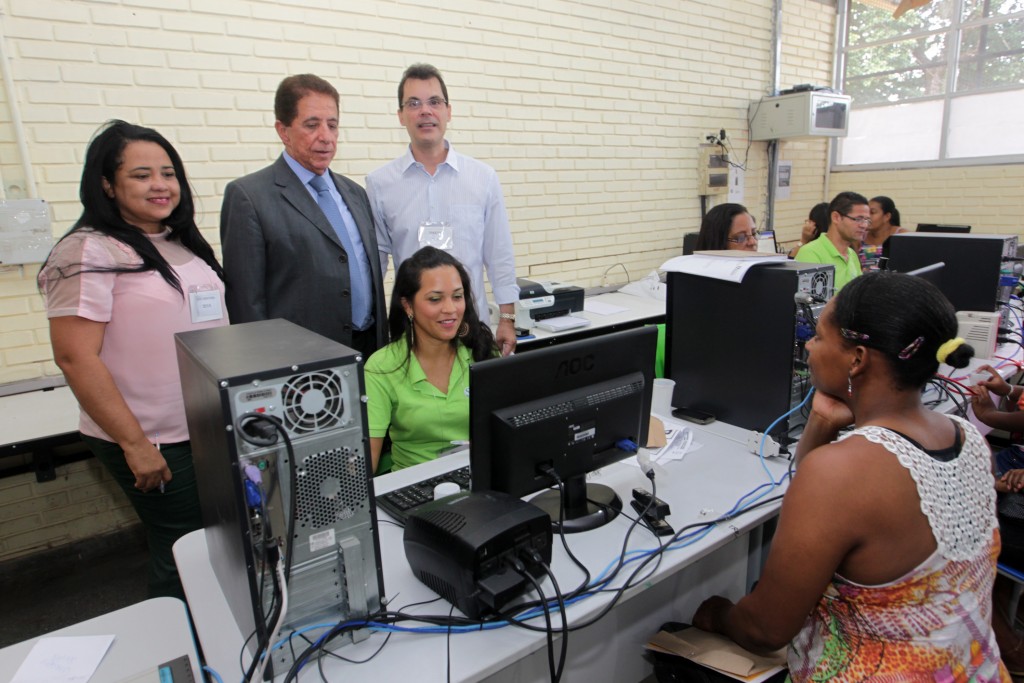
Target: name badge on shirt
(204,302)
(437,234)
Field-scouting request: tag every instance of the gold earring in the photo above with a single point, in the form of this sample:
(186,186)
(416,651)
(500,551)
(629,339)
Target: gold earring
(463,329)
(412,331)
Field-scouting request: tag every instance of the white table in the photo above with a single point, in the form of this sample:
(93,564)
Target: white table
(639,311)
(36,422)
(146,635)
(36,415)
(707,481)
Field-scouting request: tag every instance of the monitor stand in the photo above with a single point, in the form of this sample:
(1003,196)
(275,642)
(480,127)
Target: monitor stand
(587,506)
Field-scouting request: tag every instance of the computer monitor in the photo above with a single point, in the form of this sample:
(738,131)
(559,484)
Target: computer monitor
(566,406)
(935,227)
(690,242)
(766,243)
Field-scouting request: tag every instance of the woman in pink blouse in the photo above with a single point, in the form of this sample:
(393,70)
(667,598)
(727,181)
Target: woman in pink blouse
(132,271)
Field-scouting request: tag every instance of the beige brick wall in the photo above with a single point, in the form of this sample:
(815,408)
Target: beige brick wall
(591,111)
(988,198)
(81,503)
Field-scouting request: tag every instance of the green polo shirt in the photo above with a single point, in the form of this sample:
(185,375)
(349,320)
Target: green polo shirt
(422,419)
(822,250)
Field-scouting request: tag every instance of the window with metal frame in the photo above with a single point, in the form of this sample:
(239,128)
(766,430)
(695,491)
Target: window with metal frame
(941,85)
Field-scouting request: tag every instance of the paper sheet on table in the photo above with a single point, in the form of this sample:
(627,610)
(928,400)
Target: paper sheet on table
(721,265)
(602,308)
(63,659)
(562,322)
(718,653)
(670,449)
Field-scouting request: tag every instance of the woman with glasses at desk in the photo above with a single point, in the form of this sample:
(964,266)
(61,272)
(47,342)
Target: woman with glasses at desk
(727,226)
(418,385)
(885,554)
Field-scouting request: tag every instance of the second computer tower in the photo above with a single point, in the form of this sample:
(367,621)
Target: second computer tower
(735,350)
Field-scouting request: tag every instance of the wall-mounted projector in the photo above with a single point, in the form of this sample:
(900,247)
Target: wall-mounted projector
(807,113)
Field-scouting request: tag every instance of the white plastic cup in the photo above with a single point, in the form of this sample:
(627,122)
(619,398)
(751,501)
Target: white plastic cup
(661,396)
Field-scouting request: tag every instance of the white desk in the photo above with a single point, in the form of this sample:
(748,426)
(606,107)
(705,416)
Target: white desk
(36,422)
(711,478)
(37,415)
(146,635)
(639,311)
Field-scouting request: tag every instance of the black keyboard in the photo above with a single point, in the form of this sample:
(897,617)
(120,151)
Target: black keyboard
(401,503)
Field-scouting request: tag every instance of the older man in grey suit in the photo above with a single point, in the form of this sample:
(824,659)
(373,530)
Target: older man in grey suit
(298,240)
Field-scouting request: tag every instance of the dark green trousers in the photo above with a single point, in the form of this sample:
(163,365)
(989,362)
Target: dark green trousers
(166,516)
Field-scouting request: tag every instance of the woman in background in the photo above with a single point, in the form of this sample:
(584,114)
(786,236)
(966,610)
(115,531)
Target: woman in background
(418,385)
(816,223)
(885,554)
(132,271)
(727,226)
(885,222)
(1009,472)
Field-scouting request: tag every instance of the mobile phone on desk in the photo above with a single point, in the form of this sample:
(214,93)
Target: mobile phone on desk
(692,415)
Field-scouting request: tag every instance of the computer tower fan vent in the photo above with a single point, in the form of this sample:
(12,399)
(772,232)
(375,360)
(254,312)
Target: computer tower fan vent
(331,488)
(312,402)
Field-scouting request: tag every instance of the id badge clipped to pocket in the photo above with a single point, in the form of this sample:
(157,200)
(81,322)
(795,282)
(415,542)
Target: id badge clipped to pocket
(437,234)
(204,303)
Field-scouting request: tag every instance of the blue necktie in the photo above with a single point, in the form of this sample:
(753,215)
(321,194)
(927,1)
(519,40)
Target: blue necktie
(358,269)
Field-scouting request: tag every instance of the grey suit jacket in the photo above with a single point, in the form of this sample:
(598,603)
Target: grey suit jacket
(282,258)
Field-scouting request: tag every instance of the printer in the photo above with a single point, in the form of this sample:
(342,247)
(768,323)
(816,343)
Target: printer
(539,300)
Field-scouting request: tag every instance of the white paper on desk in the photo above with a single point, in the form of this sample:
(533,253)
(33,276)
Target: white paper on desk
(602,308)
(562,322)
(63,659)
(674,448)
(720,265)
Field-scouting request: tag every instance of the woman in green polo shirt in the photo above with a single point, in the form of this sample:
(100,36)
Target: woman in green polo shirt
(418,385)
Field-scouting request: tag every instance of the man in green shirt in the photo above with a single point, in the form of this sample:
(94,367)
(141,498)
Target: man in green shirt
(850,216)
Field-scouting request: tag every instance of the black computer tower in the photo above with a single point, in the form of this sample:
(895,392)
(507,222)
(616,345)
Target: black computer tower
(971,277)
(314,387)
(736,350)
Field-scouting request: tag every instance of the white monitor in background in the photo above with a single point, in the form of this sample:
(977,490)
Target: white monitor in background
(766,242)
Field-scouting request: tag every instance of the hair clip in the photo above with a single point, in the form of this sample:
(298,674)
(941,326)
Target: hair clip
(911,348)
(853,335)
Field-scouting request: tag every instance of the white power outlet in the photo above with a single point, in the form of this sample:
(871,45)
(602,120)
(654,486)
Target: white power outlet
(771,446)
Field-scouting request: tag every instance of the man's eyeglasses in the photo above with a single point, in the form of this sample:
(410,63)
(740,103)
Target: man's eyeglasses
(859,220)
(743,237)
(414,104)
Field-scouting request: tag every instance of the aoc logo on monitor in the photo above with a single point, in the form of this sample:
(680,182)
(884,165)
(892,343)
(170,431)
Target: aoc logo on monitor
(574,366)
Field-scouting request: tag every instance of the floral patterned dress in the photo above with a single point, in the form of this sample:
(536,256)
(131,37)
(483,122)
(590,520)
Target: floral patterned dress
(934,623)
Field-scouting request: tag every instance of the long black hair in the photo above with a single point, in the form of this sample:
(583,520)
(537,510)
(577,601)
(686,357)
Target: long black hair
(714,229)
(820,216)
(888,206)
(479,339)
(906,318)
(101,214)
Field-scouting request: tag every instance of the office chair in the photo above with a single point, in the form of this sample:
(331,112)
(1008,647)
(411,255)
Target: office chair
(1018,588)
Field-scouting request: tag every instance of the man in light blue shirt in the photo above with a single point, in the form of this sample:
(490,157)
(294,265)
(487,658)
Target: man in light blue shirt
(432,195)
